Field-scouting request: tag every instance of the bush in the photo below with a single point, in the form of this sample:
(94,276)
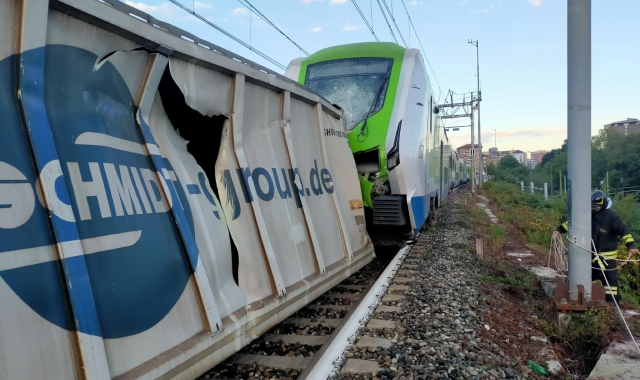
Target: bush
(629,274)
(496,239)
(529,213)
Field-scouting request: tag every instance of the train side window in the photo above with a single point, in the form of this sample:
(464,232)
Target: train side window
(431,114)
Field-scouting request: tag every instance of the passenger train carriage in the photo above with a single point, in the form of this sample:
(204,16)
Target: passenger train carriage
(405,162)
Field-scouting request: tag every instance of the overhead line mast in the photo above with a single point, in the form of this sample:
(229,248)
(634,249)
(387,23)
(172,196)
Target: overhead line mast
(463,108)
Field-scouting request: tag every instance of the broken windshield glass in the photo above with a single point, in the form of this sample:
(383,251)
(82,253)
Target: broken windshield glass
(352,84)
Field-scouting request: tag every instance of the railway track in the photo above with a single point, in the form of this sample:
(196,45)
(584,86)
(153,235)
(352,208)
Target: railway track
(294,348)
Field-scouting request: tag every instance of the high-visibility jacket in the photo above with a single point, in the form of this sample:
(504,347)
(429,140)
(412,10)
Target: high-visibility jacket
(606,228)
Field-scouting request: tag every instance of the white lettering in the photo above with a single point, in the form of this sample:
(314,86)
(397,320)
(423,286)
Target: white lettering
(47,195)
(122,190)
(85,189)
(143,195)
(151,180)
(17,200)
(170,176)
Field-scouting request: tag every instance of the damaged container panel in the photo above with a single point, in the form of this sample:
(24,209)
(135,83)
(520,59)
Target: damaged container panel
(162,201)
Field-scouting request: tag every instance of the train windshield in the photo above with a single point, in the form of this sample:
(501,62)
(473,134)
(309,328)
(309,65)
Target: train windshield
(358,85)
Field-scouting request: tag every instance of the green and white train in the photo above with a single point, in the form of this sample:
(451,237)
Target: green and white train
(405,162)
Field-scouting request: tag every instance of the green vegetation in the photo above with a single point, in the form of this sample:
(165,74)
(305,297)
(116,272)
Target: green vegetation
(583,334)
(518,279)
(496,241)
(611,153)
(615,163)
(529,213)
(536,219)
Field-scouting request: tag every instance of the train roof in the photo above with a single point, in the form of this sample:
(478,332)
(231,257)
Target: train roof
(361,49)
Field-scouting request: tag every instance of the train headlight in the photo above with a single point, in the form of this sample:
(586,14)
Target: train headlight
(393,159)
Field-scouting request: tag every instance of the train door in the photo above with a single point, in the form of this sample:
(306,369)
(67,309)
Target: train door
(451,172)
(428,120)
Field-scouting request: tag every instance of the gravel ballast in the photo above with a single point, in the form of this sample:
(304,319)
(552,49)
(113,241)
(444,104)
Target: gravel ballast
(440,333)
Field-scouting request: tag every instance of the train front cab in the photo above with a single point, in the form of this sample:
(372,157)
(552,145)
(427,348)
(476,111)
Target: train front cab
(393,133)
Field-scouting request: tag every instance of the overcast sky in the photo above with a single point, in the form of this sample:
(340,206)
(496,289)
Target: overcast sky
(522,52)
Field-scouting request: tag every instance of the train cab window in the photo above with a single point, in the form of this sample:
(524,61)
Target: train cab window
(358,85)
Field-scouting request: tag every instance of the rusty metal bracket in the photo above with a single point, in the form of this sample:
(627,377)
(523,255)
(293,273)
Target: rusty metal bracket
(564,303)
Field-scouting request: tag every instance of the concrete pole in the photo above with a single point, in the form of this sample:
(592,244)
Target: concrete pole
(560,180)
(579,144)
(531,185)
(546,194)
(480,174)
(473,158)
(522,185)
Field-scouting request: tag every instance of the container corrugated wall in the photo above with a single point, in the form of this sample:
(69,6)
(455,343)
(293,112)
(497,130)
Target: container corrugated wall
(129,179)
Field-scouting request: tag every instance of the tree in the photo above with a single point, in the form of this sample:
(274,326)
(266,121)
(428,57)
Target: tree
(508,162)
(553,153)
(511,170)
(599,158)
(492,170)
(611,153)
(622,156)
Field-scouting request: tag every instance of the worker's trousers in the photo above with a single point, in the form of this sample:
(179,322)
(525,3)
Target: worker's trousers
(611,274)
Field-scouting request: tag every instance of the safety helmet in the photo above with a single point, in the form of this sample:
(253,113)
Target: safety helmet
(598,199)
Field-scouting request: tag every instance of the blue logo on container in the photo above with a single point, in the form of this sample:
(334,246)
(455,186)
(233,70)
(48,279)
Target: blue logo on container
(121,196)
(120,202)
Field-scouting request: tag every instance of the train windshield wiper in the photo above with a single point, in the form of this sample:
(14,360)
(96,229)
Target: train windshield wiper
(373,105)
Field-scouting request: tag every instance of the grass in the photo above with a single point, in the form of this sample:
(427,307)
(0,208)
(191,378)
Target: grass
(584,335)
(516,277)
(496,238)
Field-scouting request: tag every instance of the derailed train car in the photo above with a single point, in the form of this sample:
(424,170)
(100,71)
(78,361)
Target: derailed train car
(162,201)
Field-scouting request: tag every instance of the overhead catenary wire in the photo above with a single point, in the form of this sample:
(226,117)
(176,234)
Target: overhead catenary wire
(422,48)
(253,9)
(387,21)
(216,27)
(364,18)
(394,22)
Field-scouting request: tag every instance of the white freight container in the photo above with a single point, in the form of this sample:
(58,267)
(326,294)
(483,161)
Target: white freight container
(162,201)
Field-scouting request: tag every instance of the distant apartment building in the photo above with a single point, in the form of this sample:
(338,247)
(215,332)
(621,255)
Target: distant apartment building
(503,153)
(537,156)
(486,158)
(625,127)
(520,156)
(531,163)
(464,152)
